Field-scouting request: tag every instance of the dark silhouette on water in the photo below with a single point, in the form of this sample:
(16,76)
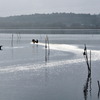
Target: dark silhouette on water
(85,54)
(0,47)
(88,81)
(99,89)
(34,41)
(86,87)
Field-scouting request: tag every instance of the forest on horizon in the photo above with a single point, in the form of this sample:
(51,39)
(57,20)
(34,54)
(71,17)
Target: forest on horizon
(51,21)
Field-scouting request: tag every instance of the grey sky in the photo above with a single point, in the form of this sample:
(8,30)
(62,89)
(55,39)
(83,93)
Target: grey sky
(19,7)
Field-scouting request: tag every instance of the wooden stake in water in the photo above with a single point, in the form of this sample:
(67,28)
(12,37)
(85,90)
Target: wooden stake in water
(46,49)
(86,58)
(90,60)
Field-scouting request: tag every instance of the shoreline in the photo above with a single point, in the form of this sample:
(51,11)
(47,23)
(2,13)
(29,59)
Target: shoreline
(51,31)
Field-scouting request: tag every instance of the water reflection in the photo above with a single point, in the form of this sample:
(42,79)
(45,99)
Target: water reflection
(12,53)
(47,49)
(18,37)
(99,89)
(46,76)
(35,49)
(98,93)
(47,54)
(87,87)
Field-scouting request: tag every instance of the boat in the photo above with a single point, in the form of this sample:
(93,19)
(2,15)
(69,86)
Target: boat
(34,41)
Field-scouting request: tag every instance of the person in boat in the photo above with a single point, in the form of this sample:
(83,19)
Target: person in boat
(0,47)
(36,41)
(33,40)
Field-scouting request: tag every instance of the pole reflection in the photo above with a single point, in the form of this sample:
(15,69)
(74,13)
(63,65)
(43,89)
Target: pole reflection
(99,89)
(47,49)
(87,87)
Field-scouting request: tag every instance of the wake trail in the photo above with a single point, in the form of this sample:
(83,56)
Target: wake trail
(61,47)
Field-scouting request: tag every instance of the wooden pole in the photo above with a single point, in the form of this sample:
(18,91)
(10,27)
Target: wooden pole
(90,60)
(86,58)
(46,49)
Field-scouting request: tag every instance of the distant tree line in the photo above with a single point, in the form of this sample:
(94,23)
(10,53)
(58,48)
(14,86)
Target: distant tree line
(51,21)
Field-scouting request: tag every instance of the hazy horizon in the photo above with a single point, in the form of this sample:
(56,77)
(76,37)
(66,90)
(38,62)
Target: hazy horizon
(46,13)
(26,7)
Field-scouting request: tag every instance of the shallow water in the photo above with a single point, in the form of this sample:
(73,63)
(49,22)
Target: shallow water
(27,74)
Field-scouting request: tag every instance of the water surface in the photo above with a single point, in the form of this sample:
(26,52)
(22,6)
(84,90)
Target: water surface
(27,74)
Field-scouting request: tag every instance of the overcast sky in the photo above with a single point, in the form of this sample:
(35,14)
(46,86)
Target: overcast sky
(19,7)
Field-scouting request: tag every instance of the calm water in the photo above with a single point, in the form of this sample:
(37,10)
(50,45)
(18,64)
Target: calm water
(28,73)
